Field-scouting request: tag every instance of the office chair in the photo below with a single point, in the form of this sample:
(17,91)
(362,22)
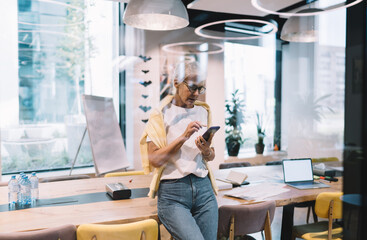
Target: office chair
(127,173)
(328,205)
(65,232)
(233,165)
(311,205)
(145,229)
(239,220)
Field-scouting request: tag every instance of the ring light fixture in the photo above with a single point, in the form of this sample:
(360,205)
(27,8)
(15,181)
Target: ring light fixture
(257,5)
(212,48)
(259,34)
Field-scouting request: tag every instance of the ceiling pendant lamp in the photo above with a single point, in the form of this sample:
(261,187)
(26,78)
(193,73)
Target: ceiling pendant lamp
(158,15)
(301,28)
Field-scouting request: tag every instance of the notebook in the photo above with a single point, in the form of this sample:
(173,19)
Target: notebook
(298,173)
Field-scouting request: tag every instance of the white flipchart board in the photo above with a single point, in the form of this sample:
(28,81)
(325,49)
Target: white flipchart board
(107,145)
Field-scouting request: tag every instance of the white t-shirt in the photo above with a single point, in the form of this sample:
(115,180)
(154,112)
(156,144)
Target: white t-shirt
(188,159)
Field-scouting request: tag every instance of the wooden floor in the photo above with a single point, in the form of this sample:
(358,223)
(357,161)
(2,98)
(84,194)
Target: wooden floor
(299,218)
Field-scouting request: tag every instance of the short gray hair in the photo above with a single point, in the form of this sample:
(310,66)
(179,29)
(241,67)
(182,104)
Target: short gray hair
(188,70)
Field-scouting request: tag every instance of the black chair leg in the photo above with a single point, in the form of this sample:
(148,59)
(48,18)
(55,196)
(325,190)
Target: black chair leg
(308,215)
(315,219)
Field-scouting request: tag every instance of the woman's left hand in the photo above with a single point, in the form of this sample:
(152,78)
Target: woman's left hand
(203,146)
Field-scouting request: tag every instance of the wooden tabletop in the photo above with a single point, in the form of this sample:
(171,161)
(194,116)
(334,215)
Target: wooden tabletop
(122,211)
(118,211)
(273,174)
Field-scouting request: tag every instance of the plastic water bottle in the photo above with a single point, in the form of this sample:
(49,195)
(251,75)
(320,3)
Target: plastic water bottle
(25,190)
(13,187)
(20,180)
(34,187)
(20,176)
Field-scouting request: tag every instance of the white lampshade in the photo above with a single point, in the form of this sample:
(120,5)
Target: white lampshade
(301,28)
(156,15)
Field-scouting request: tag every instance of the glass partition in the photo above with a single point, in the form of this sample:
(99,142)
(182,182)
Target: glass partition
(60,49)
(313,82)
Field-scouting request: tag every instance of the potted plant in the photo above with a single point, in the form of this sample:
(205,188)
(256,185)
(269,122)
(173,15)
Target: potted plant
(259,146)
(235,117)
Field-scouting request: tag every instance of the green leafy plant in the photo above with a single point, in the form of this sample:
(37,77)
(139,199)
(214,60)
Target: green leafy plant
(260,128)
(307,110)
(235,108)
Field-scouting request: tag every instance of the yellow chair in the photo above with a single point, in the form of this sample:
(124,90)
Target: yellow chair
(145,229)
(328,205)
(121,174)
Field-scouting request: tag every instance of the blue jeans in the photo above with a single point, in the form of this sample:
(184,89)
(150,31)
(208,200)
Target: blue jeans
(188,209)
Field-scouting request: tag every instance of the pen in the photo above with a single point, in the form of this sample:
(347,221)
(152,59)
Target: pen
(331,179)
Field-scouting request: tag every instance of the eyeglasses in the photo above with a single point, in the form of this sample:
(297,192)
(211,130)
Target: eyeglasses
(193,88)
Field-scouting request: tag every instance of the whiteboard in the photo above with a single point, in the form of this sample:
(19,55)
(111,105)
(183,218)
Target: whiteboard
(104,132)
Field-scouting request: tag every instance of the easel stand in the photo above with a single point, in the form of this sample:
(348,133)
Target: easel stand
(77,152)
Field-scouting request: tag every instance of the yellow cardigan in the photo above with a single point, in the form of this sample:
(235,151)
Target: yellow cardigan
(157,133)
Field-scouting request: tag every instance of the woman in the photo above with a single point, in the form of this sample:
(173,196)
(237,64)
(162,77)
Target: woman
(173,145)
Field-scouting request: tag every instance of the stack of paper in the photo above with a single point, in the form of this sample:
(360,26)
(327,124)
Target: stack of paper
(257,191)
(224,185)
(236,177)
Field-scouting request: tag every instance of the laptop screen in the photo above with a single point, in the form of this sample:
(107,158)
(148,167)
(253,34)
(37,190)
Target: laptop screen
(297,170)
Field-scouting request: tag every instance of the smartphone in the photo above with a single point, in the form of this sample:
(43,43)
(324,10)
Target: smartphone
(210,130)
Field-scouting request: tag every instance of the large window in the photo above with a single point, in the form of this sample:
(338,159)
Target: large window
(313,80)
(60,50)
(251,70)
(57,50)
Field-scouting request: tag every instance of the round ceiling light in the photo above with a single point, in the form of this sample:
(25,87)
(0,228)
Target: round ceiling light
(193,48)
(199,29)
(258,6)
(156,15)
(301,29)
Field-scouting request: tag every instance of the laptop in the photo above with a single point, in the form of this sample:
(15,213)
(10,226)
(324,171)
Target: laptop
(298,173)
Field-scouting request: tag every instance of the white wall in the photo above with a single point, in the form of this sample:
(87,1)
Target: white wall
(215,97)
(8,66)
(9,96)
(104,81)
(134,125)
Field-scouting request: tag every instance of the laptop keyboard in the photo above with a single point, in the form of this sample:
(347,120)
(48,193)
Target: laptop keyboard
(303,183)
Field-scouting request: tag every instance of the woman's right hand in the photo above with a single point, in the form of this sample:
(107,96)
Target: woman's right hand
(191,128)
(159,156)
